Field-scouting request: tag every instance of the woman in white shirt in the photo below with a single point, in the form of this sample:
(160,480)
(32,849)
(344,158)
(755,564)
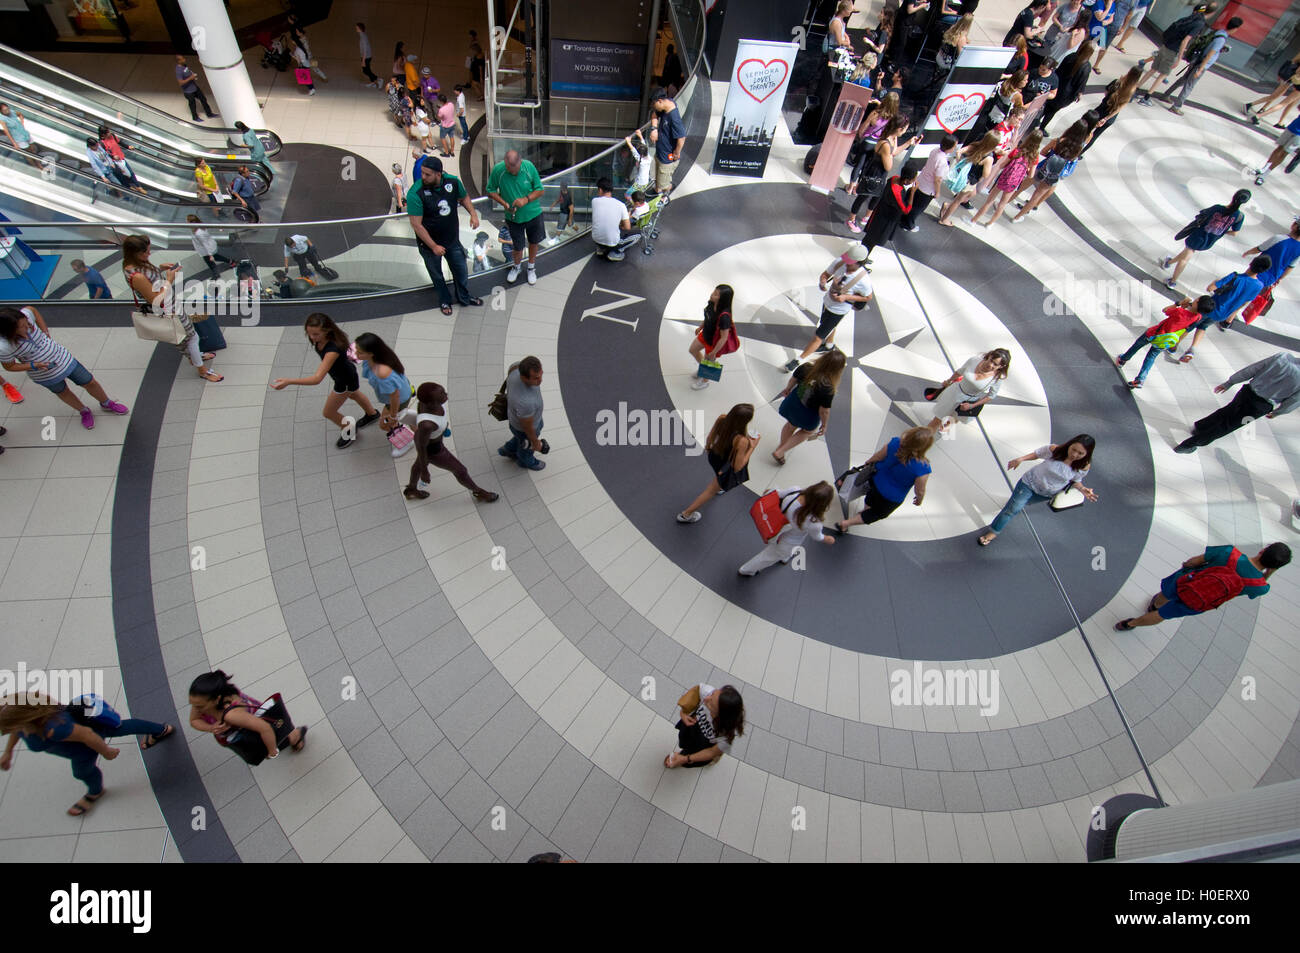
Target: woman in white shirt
(1063,466)
(804,509)
(970,387)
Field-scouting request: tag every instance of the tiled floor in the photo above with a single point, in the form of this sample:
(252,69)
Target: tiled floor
(476,675)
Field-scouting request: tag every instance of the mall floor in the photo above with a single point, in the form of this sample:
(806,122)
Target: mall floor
(516,665)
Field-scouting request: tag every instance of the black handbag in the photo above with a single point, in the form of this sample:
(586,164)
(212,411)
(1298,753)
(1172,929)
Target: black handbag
(248,744)
(1202,217)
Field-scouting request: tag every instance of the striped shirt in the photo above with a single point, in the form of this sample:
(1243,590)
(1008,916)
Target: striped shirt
(38,347)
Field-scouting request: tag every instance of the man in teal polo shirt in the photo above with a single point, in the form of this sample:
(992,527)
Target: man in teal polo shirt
(515,185)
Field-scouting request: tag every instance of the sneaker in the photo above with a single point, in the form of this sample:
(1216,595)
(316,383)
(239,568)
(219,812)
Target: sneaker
(792,364)
(513,274)
(311,92)
(693,518)
(1259,180)
(368,419)
(854,226)
(1135,385)
(699,383)
(615,255)
(113,407)
(1166,261)
(421,485)
(1247,108)
(967,205)
(1254,120)
(13,394)
(87,418)
(343,442)
(532,275)
(535,465)
(1171,284)
(1119,360)
(912,228)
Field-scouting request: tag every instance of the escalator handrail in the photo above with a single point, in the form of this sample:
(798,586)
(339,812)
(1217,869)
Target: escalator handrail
(142,106)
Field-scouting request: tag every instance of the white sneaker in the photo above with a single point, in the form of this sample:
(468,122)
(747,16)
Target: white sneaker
(532,275)
(311,92)
(421,485)
(699,383)
(513,274)
(693,518)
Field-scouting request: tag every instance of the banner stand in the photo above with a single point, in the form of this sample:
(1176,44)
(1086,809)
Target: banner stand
(753,109)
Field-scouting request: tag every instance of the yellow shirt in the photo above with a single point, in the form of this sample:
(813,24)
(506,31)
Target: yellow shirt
(412,77)
(206,178)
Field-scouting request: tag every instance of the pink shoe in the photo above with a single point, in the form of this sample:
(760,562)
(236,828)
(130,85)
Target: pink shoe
(87,418)
(113,407)
(853,225)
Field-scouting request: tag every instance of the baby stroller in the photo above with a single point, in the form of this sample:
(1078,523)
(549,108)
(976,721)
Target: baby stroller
(276,52)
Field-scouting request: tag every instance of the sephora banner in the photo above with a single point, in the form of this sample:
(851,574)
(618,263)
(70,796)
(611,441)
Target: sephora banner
(977,71)
(753,109)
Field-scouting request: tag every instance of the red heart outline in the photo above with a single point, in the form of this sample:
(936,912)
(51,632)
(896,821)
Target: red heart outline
(741,83)
(963,98)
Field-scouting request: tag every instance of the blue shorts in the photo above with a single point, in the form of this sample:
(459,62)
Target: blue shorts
(78,374)
(1175,608)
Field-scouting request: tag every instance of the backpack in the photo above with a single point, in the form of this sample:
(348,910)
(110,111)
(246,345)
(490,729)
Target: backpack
(956,179)
(1210,588)
(1184,27)
(1196,49)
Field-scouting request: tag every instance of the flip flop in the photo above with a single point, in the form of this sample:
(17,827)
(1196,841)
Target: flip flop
(77,810)
(446,309)
(302,739)
(152,740)
(986,540)
(1124,625)
(780,461)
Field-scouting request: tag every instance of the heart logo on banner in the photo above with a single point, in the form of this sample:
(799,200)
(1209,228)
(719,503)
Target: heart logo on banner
(760,80)
(955,111)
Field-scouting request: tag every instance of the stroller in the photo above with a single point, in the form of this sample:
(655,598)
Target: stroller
(276,51)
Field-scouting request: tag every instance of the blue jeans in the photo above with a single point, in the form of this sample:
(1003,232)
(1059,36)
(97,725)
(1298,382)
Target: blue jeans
(459,272)
(1021,497)
(517,447)
(464,128)
(1148,362)
(84,767)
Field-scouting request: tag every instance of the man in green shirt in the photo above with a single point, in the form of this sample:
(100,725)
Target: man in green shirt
(515,185)
(431,204)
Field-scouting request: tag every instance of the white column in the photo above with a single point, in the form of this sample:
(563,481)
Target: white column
(223,63)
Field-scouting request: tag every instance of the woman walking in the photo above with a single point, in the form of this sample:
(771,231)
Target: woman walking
(729,446)
(1119,93)
(1063,466)
(709,718)
(807,404)
(893,471)
(218,707)
(1204,231)
(1019,167)
(430,428)
(331,346)
(76,732)
(1058,162)
(969,388)
(879,166)
(387,375)
(152,287)
(26,345)
(974,164)
(717,334)
(894,206)
(1073,73)
(804,511)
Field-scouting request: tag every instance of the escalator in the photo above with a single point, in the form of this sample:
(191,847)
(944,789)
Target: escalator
(61,110)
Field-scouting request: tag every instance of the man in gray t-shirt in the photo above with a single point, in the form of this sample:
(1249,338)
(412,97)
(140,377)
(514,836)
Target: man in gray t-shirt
(524,414)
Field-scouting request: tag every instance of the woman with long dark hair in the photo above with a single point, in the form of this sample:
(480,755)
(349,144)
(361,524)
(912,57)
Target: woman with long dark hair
(709,718)
(76,732)
(387,375)
(1119,93)
(430,428)
(804,511)
(729,446)
(876,173)
(894,205)
(807,404)
(968,388)
(1059,159)
(1063,466)
(1018,169)
(152,287)
(217,707)
(868,135)
(1073,73)
(331,346)
(1007,95)
(717,333)
(1204,231)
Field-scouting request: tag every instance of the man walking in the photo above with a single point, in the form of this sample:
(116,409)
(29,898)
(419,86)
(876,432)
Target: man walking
(1200,61)
(1231,293)
(668,133)
(431,203)
(189,85)
(1207,581)
(1282,251)
(1173,43)
(524,414)
(1270,388)
(515,185)
(847,286)
(363,40)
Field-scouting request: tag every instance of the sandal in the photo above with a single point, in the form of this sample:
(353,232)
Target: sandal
(1151,606)
(446,309)
(209,356)
(1124,625)
(780,461)
(987,538)
(302,738)
(77,810)
(152,740)
(212,376)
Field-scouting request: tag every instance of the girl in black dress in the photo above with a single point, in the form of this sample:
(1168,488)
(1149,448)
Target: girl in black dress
(729,447)
(893,205)
(1073,73)
(331,346)
(717,334)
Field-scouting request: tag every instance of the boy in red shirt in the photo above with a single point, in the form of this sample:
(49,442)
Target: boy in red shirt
(1165,335)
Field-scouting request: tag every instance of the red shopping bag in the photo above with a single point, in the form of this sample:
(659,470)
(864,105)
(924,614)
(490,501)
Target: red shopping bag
(768,513)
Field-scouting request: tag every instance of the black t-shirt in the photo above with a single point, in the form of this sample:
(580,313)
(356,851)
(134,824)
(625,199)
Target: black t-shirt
(342,371)
(437,206)
(1038,85)
(813,396)
(715,323)
(1024,20)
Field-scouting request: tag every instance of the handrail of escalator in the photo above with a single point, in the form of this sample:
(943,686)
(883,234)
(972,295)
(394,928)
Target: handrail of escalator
(84,182)
(42,108)
(269,138)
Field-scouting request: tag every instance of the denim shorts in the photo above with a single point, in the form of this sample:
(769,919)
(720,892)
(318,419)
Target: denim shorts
(78,374)
(1175,608)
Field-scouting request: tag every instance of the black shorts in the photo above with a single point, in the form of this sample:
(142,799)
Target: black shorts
(827,323)
(346,381)
(532,232)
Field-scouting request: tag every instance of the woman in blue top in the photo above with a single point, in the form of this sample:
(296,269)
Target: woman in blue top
(386,374)
(900,467)
(46,726)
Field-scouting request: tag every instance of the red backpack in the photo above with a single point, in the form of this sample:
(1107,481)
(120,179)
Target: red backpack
(1210,588)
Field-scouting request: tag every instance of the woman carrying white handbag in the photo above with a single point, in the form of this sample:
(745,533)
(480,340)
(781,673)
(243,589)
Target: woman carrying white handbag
(1055,479)
(158,318)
